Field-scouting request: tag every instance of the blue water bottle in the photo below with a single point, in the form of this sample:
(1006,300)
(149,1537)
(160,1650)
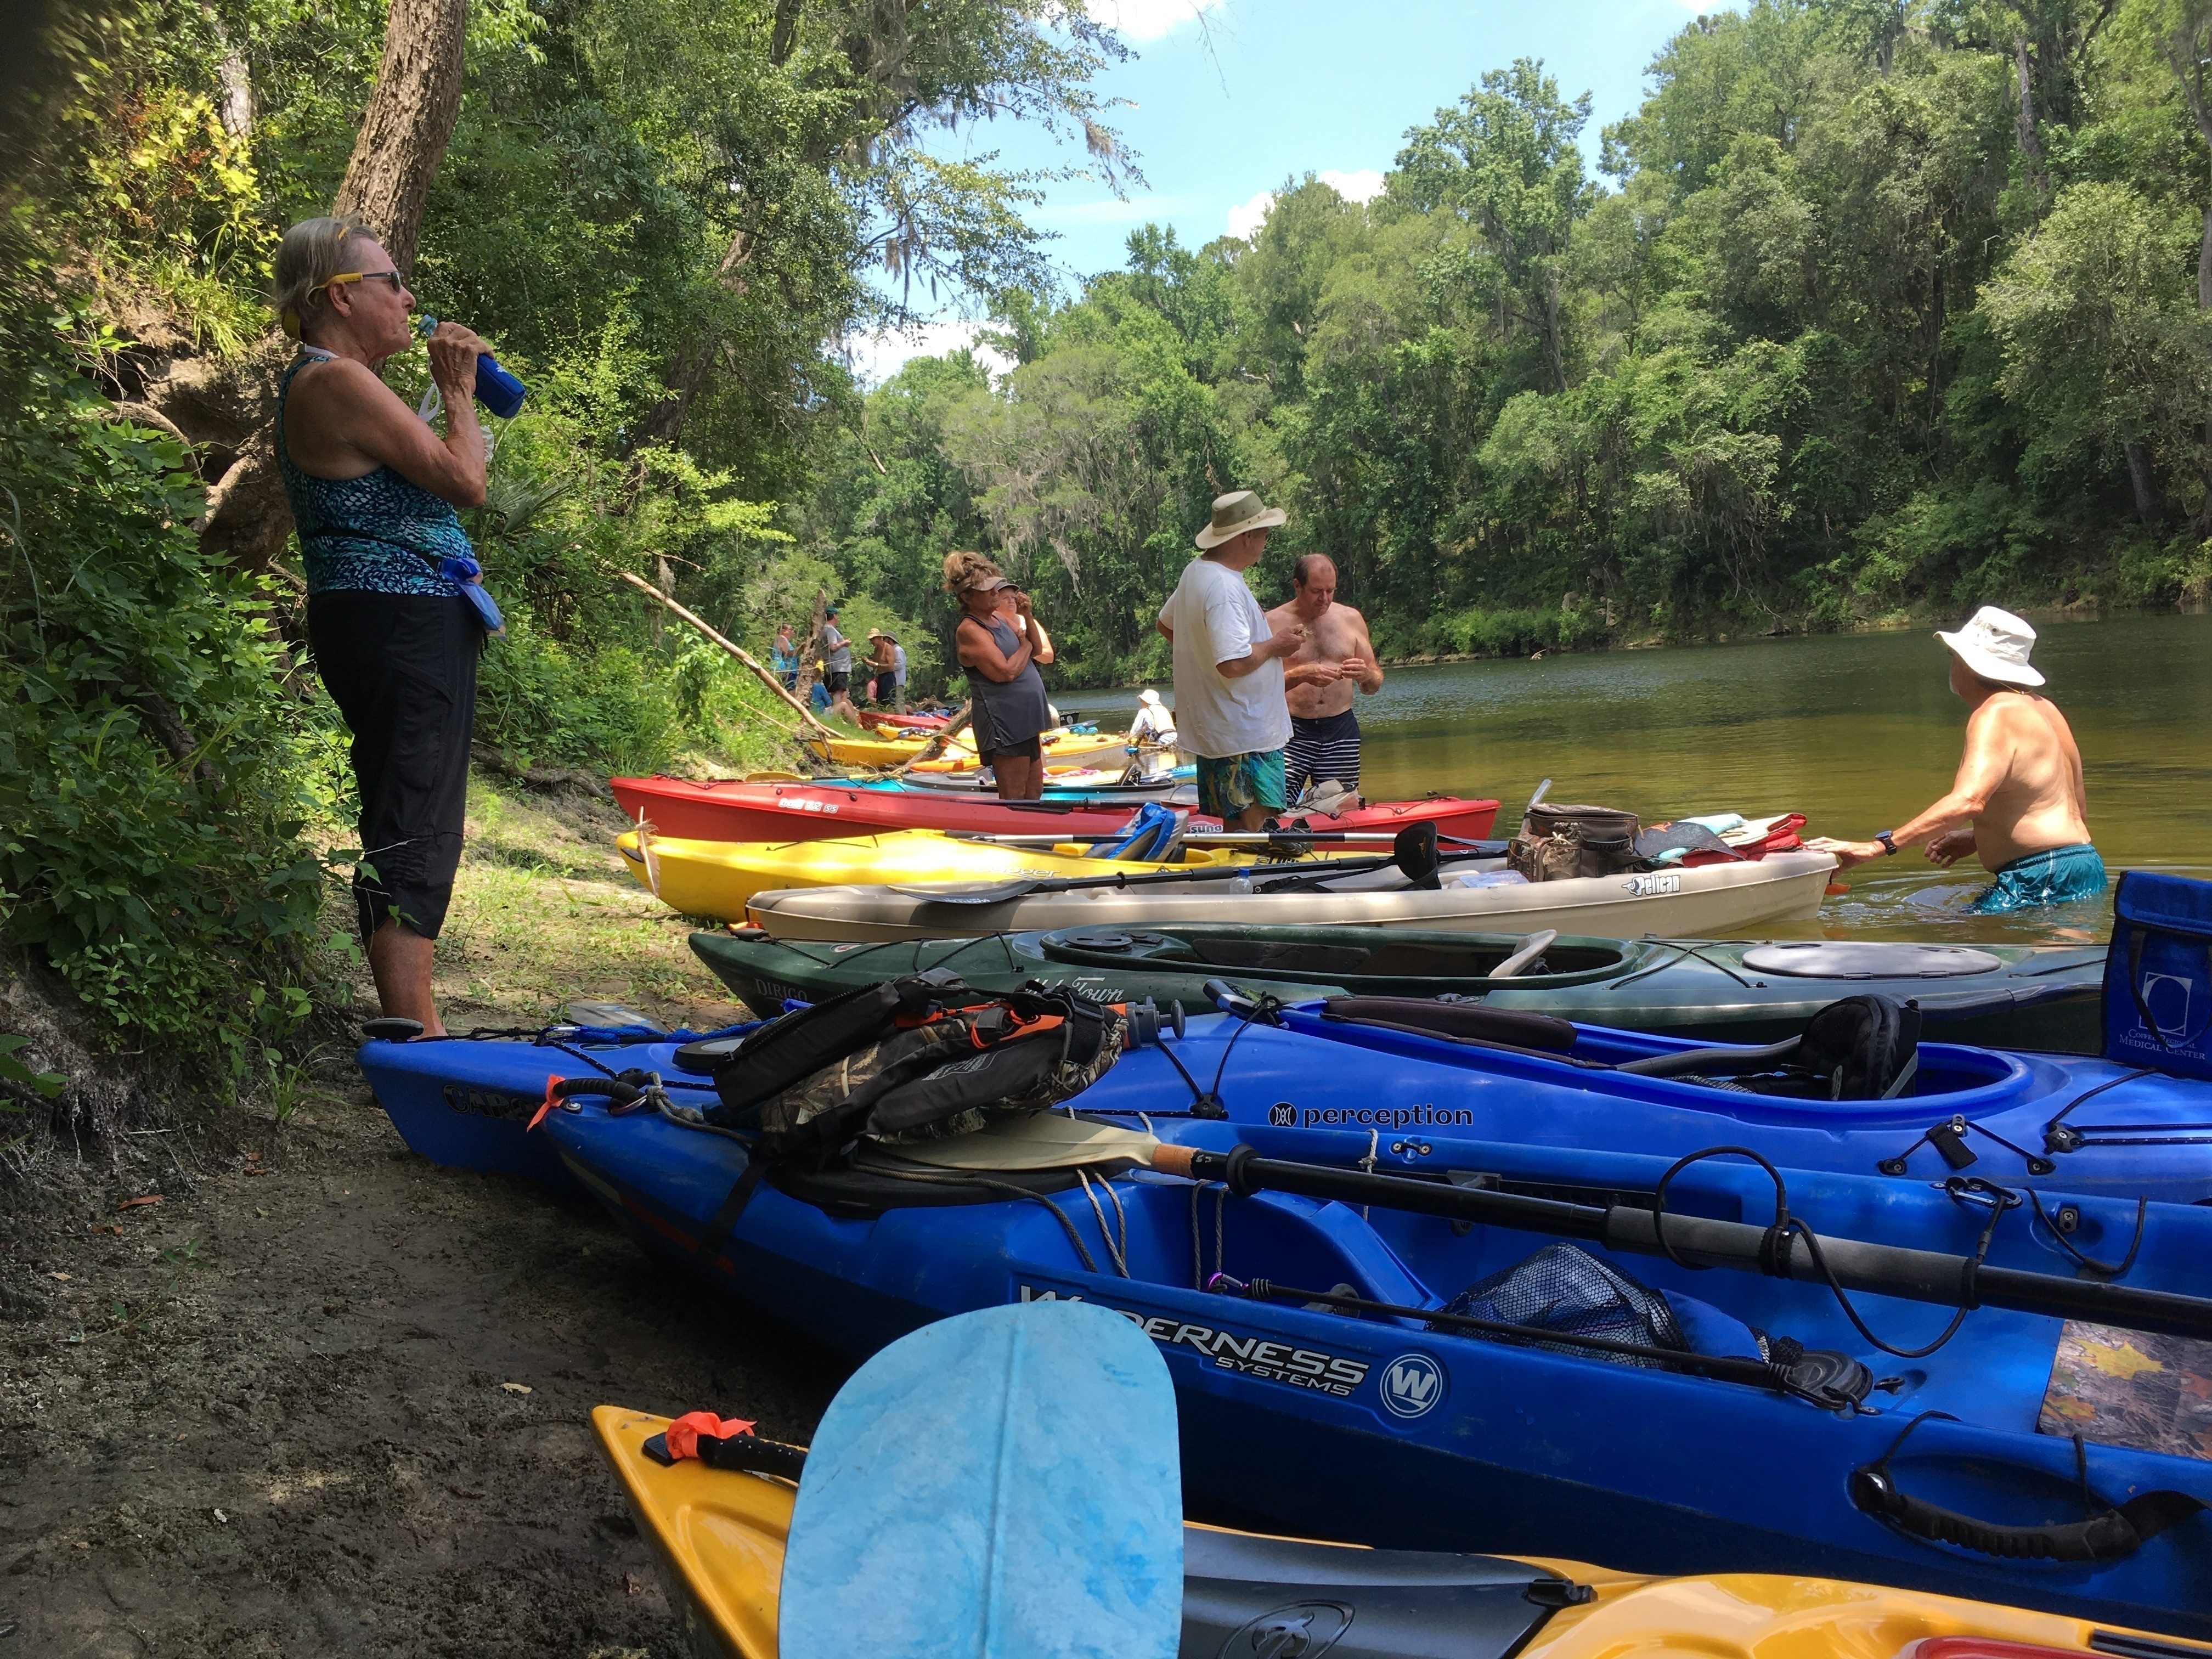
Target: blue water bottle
(496,390)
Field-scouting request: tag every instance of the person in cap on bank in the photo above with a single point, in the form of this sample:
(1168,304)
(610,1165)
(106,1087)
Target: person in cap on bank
(1231,716)
(1001,642)
(2017,802)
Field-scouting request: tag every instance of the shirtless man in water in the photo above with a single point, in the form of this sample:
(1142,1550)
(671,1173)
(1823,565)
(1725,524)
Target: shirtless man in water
(2018,801)
(1338,656)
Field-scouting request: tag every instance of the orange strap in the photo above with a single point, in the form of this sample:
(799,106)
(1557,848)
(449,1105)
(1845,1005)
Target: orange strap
(683,1433)
(543,1106)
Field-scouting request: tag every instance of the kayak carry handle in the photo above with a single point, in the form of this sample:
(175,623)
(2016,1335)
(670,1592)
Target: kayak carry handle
(391,1029)
(622,1093)
(2111,1533)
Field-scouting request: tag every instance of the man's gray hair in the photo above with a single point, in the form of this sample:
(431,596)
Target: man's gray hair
(313,252)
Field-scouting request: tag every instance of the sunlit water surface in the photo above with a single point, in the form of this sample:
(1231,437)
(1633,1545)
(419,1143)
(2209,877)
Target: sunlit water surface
(1858,732)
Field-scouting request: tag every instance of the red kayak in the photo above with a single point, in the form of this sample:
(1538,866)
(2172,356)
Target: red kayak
(729,809)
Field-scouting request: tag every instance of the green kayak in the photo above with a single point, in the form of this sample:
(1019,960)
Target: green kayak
(1734,991)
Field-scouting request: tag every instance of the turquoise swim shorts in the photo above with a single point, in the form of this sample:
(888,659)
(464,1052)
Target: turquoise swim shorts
(2056,875)
(1226,786)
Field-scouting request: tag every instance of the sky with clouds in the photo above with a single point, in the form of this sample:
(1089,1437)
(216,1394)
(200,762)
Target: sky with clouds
(1228,99)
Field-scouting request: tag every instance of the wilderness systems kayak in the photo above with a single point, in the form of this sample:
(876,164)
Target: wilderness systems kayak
(1712,899)
(1342,1376)
(2005,996)
(729,809)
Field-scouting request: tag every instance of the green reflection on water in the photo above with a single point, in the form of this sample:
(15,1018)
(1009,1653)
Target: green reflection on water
(1858,732)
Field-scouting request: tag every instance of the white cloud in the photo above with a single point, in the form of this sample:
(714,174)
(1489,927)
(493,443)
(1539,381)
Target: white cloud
(876,357)
(1139,20)
(1364,185)
(1247,217)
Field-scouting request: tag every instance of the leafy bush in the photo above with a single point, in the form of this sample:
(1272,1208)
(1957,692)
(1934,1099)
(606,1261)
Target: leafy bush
(156,775)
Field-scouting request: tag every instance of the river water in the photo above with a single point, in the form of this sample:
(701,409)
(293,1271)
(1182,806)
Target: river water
(1858,732)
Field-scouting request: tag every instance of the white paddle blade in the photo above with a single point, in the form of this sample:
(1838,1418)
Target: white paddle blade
(1002,1485)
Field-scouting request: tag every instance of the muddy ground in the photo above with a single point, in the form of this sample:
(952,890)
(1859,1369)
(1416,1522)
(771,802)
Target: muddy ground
(326,1399)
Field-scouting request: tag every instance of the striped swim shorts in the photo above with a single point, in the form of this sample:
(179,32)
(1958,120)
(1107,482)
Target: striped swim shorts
(1320,750)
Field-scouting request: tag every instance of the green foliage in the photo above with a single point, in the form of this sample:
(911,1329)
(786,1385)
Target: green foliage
(155,779)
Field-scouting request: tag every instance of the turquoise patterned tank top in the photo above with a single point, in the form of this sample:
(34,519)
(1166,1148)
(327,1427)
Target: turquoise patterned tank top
(377,533)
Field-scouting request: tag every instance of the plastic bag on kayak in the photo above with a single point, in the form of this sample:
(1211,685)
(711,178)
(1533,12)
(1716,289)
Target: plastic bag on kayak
(1563,1287)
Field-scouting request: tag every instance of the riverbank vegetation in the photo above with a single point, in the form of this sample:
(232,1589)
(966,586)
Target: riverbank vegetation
(1869,310)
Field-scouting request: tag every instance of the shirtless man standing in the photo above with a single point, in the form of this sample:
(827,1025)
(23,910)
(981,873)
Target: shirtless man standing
(2018,801)
(1338,655)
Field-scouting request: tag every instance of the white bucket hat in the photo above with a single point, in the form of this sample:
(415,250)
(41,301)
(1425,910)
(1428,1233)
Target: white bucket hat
(1994,645)
(1238,510)
(1149,696)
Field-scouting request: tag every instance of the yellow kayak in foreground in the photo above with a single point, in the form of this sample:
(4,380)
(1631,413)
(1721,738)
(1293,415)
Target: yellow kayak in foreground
(719,1538)
(717,877)
(959,755)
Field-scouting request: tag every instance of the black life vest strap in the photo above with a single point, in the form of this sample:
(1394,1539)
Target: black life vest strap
(734,1207)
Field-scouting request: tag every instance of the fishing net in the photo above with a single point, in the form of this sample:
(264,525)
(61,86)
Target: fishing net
(1564,1288)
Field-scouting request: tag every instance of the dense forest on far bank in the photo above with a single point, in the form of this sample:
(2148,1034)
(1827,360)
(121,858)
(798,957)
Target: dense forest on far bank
(1872,309)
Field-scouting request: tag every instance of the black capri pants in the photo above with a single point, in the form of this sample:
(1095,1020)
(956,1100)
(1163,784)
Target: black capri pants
(402,668)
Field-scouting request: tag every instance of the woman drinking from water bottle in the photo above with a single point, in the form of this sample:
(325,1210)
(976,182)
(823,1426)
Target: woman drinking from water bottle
(1001,642)
(394,634)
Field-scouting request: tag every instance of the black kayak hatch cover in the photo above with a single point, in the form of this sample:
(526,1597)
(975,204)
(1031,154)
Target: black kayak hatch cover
(1858,959)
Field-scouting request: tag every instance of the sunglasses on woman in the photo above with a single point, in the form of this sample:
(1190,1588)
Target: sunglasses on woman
(391,276)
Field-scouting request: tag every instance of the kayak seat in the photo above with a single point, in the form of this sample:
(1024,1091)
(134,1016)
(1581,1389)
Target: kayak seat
(872,1184)
(1279,1595)
(1862,1047)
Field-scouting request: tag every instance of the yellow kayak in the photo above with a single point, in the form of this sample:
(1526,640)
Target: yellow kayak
(959,755)
(719,878)
(720,1537)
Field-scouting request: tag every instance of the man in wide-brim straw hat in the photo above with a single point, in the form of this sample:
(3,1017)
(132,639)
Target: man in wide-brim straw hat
(2018,801)
(1231,716)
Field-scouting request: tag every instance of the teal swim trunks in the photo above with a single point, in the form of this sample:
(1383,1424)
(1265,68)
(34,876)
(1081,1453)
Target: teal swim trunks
(2056,875)
(1226,786)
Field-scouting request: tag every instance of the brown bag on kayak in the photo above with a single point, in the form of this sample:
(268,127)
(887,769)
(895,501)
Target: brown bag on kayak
(1560,843)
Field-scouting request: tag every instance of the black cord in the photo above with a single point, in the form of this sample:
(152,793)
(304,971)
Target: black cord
(2057,1140)
(2105,1268)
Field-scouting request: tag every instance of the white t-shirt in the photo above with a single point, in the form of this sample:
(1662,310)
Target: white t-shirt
(1215,620)
(898,663)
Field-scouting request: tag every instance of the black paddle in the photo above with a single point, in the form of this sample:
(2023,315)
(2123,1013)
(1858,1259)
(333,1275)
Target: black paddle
(1953,1281)
(1413,852)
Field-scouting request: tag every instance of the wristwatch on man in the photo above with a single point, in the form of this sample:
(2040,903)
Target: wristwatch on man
(1888,847)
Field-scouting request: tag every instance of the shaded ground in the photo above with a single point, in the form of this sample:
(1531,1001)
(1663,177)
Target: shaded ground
(326,1399)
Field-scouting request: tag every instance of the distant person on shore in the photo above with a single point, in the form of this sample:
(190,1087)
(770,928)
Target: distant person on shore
(2018,802)
(1001,642)
(1229,677)
(372,489)
(836,657)
(783,658)
(886,670)
(1339,656)
(1152,735)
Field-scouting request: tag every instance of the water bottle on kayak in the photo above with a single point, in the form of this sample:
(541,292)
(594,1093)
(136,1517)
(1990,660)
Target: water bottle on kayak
(496,390)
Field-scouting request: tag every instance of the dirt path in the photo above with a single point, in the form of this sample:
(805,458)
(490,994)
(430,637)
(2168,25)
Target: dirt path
(339,1405)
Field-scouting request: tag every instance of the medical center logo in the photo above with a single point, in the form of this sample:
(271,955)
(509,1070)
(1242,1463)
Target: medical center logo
(1412,1383)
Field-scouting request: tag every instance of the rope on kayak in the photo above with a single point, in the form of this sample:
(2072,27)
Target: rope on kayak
(2059,1136)
(2104,1269)
(1198,1281)
(1948,1138)
(1118,1255)
(971,1178)
(1374,1139)
(1774,1250)
(1682,953)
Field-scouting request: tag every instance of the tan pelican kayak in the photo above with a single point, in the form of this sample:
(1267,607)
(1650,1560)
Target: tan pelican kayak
(1712,901)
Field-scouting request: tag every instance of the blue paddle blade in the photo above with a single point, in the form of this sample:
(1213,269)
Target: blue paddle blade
(1002,1485)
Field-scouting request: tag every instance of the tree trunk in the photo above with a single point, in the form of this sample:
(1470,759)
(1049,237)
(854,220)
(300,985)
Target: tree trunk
(408,124)
(2031,144)
(2150,501)
(403,134)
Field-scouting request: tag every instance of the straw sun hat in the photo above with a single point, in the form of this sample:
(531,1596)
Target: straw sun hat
(1994,645)
(1236,513)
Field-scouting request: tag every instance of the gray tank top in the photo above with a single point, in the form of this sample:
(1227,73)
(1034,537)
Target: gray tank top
(1007,716)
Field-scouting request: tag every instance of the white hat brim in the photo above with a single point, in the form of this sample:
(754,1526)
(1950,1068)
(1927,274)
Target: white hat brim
(1209,538)
(1984,666)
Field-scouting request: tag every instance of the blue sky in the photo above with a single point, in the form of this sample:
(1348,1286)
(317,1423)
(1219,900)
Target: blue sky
(1233,96)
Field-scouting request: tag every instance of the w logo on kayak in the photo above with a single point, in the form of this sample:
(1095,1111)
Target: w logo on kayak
(1412,1384)
(1282,1115)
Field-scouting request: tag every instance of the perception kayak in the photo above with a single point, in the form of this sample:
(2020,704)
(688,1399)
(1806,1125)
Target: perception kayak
(1726,991)
(719,1534)
(1407,1426)
(720,878)
(728,810)
(1709,900)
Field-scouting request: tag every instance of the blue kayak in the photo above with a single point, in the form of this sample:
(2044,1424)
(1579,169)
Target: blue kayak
(1388,1430)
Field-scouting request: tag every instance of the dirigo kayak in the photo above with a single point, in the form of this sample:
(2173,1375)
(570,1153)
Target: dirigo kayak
(720,1535)
(1725,991)
(1709,900)
(731,810)
(720,878)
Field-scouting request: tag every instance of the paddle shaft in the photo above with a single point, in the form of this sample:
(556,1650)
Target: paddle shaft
(1005,892)
(1243,838)
(1880,1269)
